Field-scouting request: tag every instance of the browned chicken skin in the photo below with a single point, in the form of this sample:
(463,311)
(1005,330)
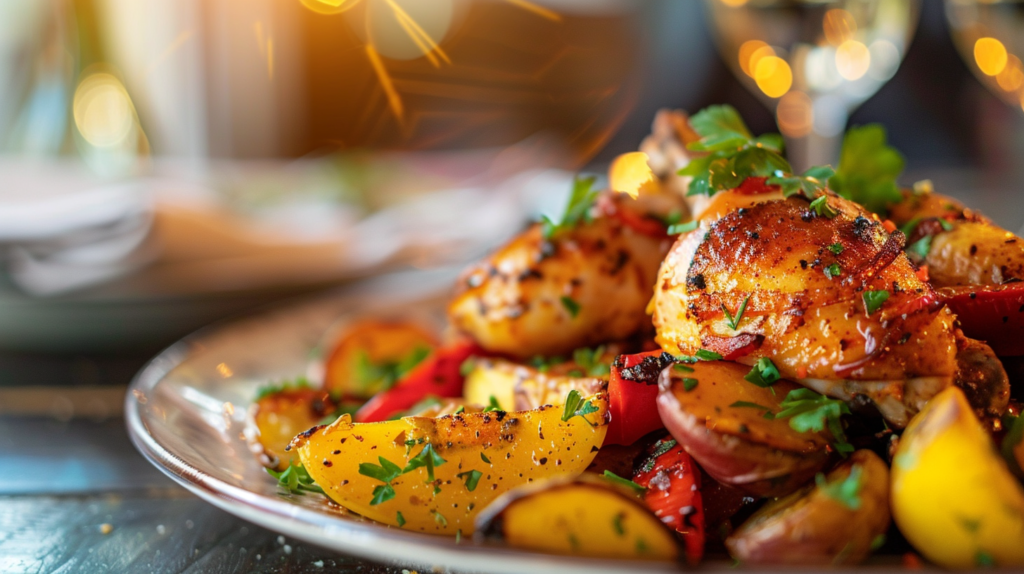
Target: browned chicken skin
(814,327)
(587,285)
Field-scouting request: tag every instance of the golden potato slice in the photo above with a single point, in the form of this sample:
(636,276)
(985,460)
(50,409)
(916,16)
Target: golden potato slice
(370,355)
(276,417)
(435,474)
(953,496)
(521,387)
(585,516)
(834,522)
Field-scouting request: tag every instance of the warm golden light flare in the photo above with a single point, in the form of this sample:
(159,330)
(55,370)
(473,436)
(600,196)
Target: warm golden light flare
(417,34)
(839,26)
(328,7)
(536,9)
(1012,76)
(746,55)
(394,100)
(733,3)
(103,112)
(795,114)
(853,60)
(990,55)
(773,76)
(630,173)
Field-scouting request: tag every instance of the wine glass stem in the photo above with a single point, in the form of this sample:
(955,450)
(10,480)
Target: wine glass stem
(813,149)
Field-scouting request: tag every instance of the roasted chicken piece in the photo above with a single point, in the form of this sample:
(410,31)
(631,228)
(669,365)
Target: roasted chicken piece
(583,286)
(961,247)
(827,294)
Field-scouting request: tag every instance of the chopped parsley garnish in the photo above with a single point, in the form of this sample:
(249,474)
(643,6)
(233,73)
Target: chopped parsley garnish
(616,479)
(749,405)
(672,218)
(542,364)
(492,405)
(734,321)
(590,361)
(706,355)
(821,207)
(660,448)
(877,542)
(283,386)
(295,479)
(484,458)
(386,373)
(575,406)
(836,248)
(984,559)
(428,458)
(678,228)
(873,300)
(846,491)
(460,410)
(921,248)
(439,518)
(617,524)
(571,306)
(868,169)
(689,383)
(807,183)
(581,199)
(467,366)
(810,412)
(734,154)
(833,271)
(400,519)
(681,368)
(471,477)
(764,373)
(385,472)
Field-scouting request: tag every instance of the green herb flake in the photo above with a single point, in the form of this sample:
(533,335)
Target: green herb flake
(868,169)
(706,355)
(617,524)
(846,491)
(460,410)
(808,184)
(467,366)
(570,305)
(428,458)
(575,406)
(439,518)
(821,207)
(369,375)
(833,271)
(295,479)
(590,361)
(680,228)
(616,479)
(734,320)
(681,368)
(764,373)
(492,405)
(577,211)
(689,384)
(984,559)
(472,478)
(873,300)
(284,386)
(877,542)
(385,472)
(809,411)
(400,519)
(836,248)
(921,248)
(660,448)
(484,458)
(750,405)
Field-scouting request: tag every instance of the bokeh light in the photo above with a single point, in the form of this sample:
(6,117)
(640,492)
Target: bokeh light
(103,112)
(773,76)
(853,60)
(795,114)
(839,26)
(733,3)
(1012,76)
(990,55)
(885,60)
(329,7)
(630,173)
(746,53)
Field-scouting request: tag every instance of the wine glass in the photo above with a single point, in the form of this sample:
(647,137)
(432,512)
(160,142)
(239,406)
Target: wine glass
(990,37)
(813,61)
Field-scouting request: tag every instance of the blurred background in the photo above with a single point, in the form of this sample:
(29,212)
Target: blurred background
(165,163)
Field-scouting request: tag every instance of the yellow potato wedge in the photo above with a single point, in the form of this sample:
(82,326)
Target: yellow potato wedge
(834,522)
(435,474)
(275,418)
(585,516)
(369,356)
(953,496)
(520,387)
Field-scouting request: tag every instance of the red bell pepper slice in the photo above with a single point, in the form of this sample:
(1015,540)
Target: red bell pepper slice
(990,313)
(438,375)
(633,396)
(756,186)
(673,493)
(639,222)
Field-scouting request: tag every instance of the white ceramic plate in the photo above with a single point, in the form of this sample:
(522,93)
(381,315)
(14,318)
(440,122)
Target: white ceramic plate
(185,412)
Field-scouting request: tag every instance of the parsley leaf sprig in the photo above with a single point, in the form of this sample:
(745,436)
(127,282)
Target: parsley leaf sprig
(846,491)
(385,472)
(575,406)
(734,320)
(616,479)
(295,479)
(734,154)
(590,361)
(808,183)
(868,169)
(764,373)
(581,199)
(428,458)
(385,373)
(809,411)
